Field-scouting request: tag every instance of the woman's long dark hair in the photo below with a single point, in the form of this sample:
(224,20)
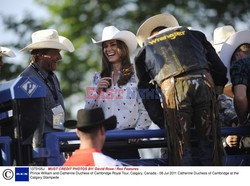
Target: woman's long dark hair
(126,66)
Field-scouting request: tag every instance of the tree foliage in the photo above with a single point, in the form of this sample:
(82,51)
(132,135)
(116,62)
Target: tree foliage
(22,29)
(81,20)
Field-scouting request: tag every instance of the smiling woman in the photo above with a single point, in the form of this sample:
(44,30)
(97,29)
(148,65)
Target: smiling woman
(111,51)
(118,77)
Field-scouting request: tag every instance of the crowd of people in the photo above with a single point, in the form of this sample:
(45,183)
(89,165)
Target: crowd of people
(196,84)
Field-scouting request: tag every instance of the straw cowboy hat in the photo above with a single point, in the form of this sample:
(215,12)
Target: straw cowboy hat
(221,35)
(144,31)
(111,32)
(87,118)
(6,52)
(49,38)
(227,51)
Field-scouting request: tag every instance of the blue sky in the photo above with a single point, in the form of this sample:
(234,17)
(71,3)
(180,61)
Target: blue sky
(18,8)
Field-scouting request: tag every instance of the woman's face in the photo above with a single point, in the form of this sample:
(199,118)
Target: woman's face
(111,51)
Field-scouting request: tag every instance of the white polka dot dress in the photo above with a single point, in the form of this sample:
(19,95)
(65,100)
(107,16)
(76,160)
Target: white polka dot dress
(123,102)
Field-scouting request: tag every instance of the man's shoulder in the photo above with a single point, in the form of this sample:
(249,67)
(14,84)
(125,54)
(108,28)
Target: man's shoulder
(102,160)
(242,62)
(198,34)
(240,66)
(29,71)
(239,72)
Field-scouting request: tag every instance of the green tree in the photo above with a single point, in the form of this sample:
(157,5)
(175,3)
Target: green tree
(23,29)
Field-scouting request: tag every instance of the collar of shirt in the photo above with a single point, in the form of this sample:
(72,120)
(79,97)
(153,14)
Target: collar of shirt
(44,73)
(119,74)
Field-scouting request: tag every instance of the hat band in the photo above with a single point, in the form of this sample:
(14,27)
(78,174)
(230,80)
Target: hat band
(93,123)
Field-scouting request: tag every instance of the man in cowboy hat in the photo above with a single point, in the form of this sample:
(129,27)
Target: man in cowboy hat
(45,57)
(226,108)
(235,54)
(220,36)
(91,128)
(227,114)
(5,52)
(234,51)
(179,61)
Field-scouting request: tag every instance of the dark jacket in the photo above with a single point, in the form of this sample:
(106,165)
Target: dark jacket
(50,101)
(153,106)
(217,68)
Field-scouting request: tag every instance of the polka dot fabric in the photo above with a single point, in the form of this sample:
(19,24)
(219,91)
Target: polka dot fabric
(123,102)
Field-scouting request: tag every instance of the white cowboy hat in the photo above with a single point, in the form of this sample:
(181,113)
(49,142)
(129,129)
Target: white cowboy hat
(49,38)
(221,35)
(6,52)
(231,45)
(144,31)
(111,32)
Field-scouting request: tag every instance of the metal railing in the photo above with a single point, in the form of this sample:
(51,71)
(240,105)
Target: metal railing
(5,145)
(54,146)
(54,142)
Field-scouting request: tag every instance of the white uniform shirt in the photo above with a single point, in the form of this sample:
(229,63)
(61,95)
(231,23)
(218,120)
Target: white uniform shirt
(102,160)
(124,102)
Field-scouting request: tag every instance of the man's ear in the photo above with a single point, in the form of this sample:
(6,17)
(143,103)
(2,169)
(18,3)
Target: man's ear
(102,130)
(39,57)
(78,133)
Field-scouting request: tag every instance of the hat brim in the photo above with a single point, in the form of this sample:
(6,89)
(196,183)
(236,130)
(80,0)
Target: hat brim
(231,45)
(221,34)
(63,44)
(127,37)
(70,124)
(144,31)
(6,52)
(217,47)
(109,124)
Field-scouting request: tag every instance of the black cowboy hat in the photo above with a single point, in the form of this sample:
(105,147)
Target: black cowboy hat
(87,118)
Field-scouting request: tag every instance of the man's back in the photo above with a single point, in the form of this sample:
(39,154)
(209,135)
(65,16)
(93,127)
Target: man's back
(182,50)
(178,60)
